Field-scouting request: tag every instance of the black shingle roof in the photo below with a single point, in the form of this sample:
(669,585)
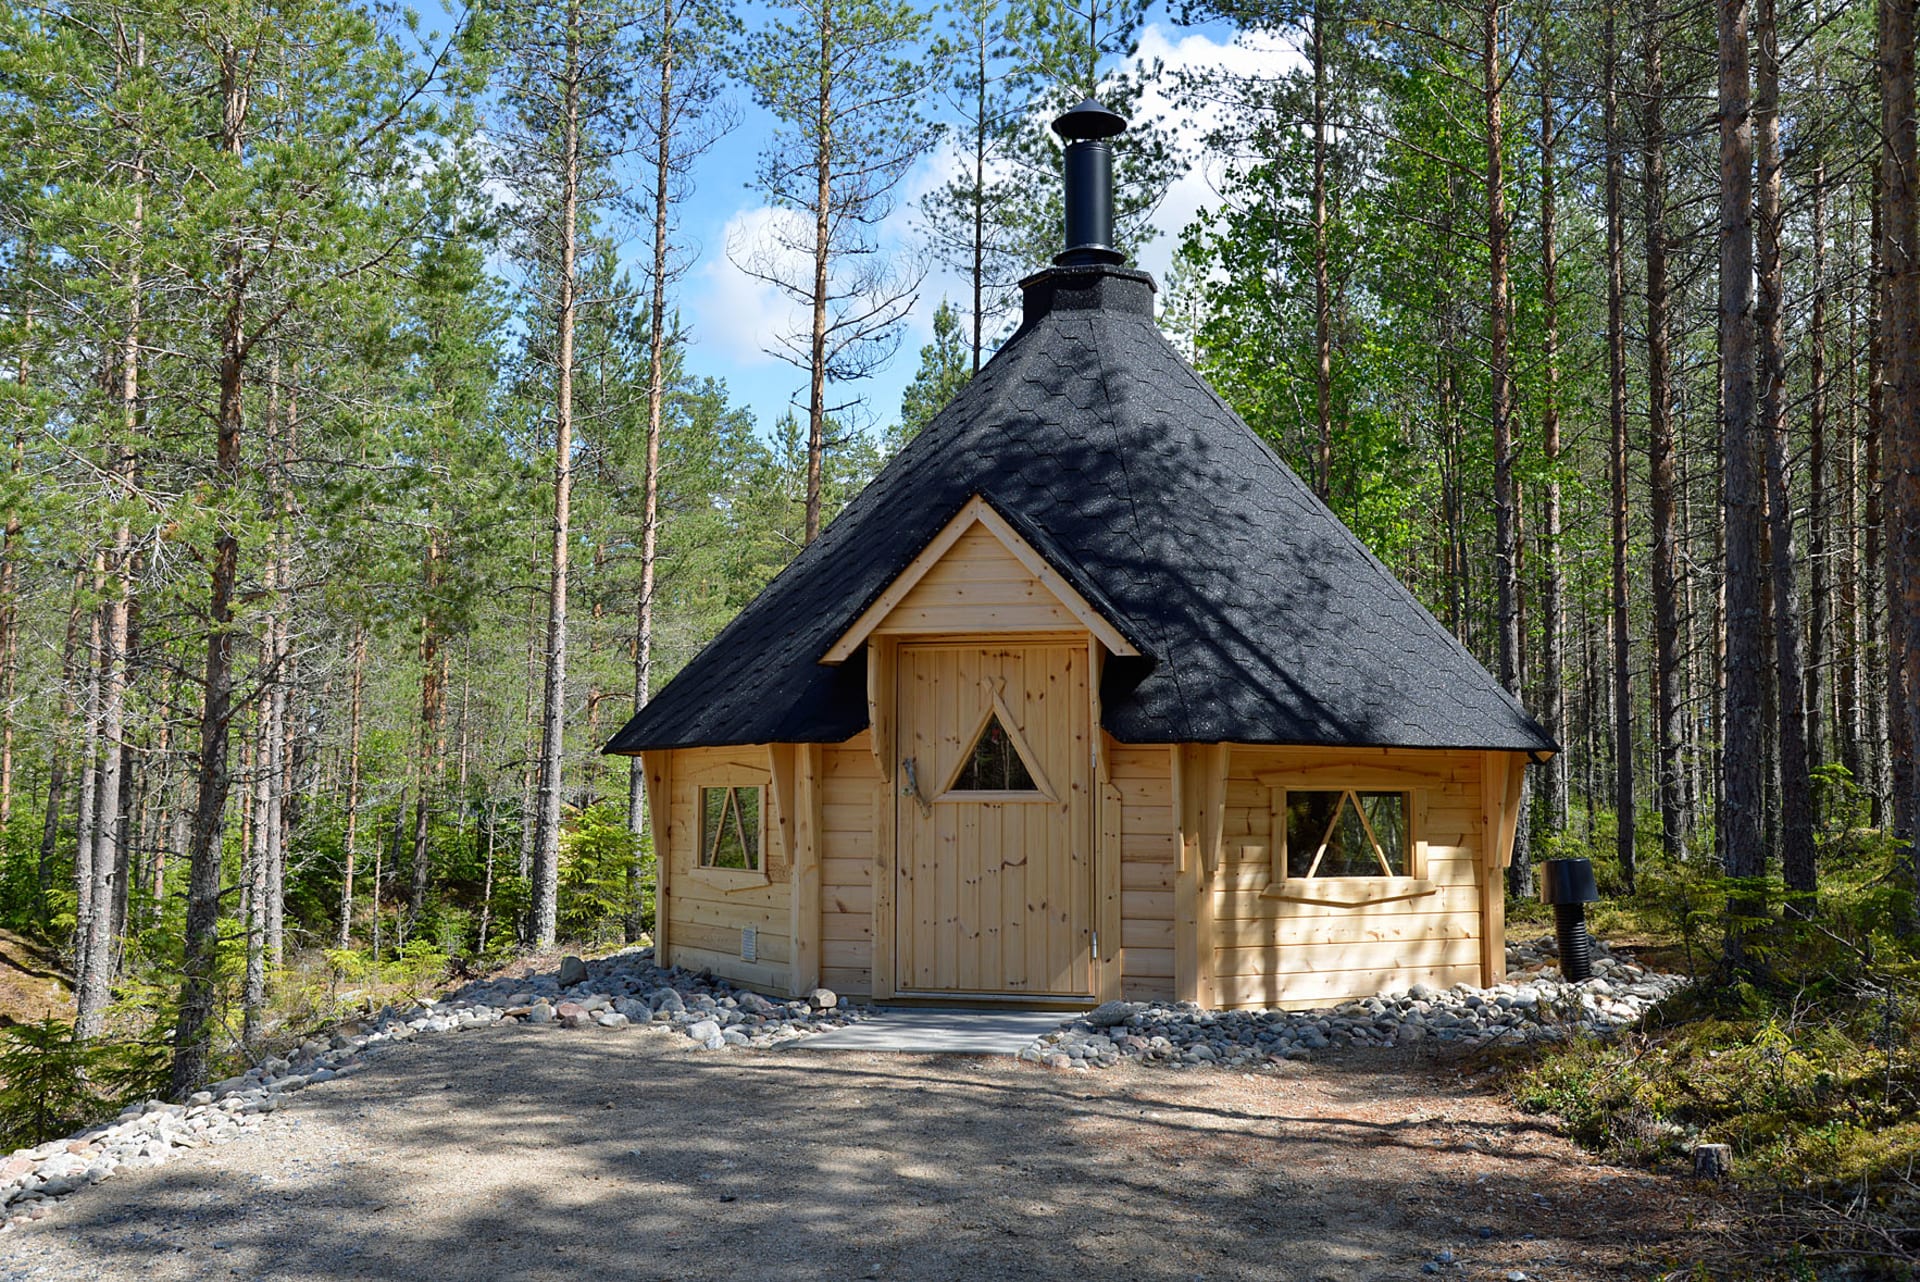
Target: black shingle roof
(1260,617)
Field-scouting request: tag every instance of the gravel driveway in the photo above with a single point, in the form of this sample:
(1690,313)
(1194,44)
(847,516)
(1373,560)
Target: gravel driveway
(537,1153)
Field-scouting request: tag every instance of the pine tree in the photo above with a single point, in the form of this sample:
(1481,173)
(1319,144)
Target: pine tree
(843,78)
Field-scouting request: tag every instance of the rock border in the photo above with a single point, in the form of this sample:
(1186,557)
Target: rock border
(1536,1004)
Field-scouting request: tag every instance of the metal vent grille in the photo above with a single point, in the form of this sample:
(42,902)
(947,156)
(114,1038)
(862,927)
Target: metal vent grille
(749,943)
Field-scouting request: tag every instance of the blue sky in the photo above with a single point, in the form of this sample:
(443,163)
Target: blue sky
(733,319)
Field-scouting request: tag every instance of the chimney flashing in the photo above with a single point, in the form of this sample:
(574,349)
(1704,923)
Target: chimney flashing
(1085,287)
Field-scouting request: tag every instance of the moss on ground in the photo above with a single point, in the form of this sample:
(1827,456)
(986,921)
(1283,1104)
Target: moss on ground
(1805,1060)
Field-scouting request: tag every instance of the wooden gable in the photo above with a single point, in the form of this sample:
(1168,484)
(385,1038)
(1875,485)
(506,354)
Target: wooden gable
(978,575)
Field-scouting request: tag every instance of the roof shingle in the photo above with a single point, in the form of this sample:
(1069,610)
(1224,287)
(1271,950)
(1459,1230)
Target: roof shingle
(1262,619)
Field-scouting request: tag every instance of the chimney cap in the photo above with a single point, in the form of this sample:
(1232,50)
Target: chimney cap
(1088,120)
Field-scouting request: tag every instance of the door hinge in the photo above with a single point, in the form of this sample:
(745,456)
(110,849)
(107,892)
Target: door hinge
(1096,943)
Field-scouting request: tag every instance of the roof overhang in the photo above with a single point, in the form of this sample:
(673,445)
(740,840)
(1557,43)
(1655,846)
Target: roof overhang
(1059,577)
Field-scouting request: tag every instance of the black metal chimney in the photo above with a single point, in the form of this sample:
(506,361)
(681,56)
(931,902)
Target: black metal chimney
(1089,169)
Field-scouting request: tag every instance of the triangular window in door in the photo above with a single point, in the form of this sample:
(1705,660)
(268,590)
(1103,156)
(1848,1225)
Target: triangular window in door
(994,765)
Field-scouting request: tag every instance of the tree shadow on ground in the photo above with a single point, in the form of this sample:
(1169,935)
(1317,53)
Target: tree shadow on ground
(536,1153)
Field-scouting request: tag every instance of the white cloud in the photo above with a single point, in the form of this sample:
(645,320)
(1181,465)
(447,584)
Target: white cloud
(737,315)
(1246,54)
(1251,54)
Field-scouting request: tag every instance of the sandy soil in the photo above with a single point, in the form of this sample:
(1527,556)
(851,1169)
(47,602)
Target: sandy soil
(32,985)
(520,1152)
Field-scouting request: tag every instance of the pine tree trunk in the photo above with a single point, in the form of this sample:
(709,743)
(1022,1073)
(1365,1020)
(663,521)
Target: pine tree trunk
(1823,645)
(355,707)
(1796,805)
(656,413)
(95,965)
(1669,674)
(10,557)
(978,266)
(87,809)
(432,701)
(530,761)
(1885,739)
(486,888)
(822,251)
(1553,594)
(463,751)
(193,1034)
(1505,496)
(1322,301)
(546,844)
(1900,354)
(256,855)
(165,813)
(1742,800)
(1622,688)
(1851,726)
(280,637)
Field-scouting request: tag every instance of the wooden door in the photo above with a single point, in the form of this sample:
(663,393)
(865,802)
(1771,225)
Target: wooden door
(994,889)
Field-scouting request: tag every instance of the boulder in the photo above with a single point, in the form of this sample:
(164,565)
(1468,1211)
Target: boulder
(1112,1014)
(822,999)
(572,971)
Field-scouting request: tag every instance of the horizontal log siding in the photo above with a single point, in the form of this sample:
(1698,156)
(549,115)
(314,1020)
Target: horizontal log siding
(1271,952)
(848,784)
(704,914)
(1144,777)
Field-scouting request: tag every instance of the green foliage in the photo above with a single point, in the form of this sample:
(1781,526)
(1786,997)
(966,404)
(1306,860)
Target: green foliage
(51,1084)
(415,967)
(945,368)
(597,854)
(1806,1062)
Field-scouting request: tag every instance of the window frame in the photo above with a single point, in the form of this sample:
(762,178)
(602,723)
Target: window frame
(732,781)
(1347,891)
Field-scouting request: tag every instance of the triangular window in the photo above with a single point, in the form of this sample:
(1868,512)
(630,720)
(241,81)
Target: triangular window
(994,765)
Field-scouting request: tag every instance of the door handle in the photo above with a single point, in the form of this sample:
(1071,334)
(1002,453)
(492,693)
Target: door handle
(911,786)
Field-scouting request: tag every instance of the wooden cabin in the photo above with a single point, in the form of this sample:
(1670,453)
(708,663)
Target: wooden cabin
(1086,696)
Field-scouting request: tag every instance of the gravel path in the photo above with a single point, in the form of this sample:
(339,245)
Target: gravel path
(516,1151)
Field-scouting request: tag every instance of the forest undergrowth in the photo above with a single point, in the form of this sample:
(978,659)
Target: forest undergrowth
(1805,1060)
(52,1083)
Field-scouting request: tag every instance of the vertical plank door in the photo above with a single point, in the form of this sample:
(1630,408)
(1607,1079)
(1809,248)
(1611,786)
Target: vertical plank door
(994,885)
